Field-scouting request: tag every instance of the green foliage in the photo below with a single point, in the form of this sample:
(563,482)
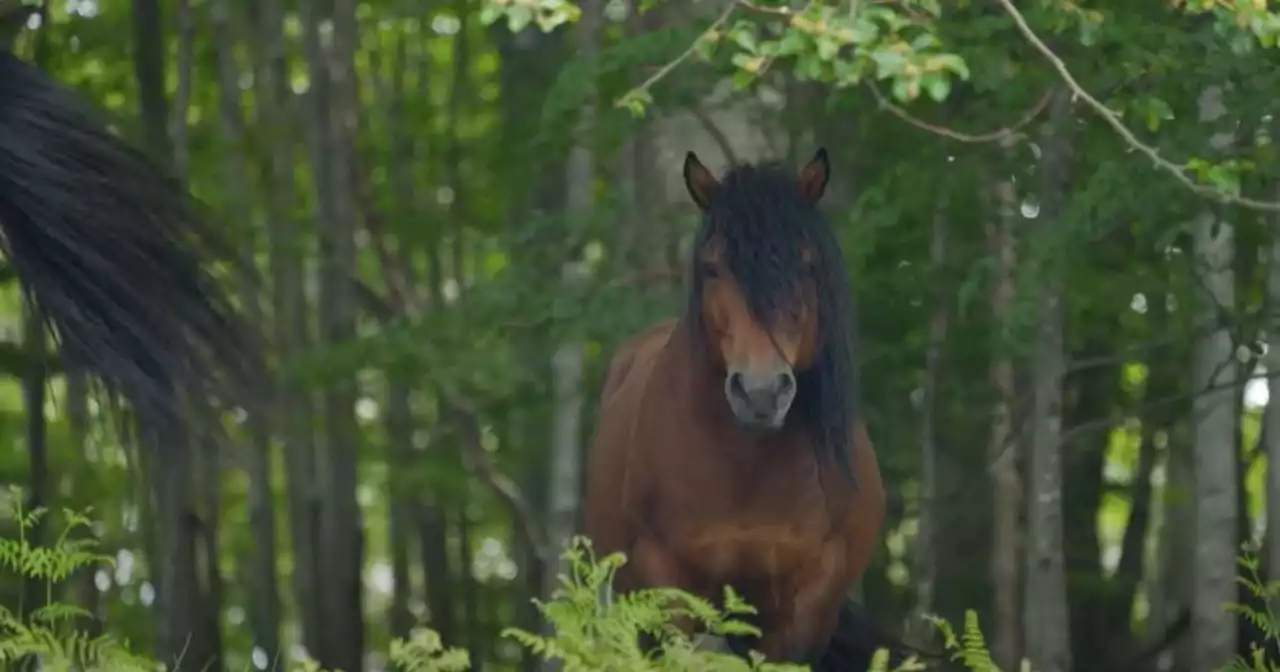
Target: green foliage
(839,43)
(1262,617)
(48,632)
(970,647)
(588,633)
(594,634)
(546,14)
(844,44)
(422,652)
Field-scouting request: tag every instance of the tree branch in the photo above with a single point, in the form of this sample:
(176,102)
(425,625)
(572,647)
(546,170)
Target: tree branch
(709,125)
(466,419)
(675,63)
(1114,121)
(1006,133)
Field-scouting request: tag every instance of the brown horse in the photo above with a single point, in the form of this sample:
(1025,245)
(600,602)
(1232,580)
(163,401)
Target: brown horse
(727,450)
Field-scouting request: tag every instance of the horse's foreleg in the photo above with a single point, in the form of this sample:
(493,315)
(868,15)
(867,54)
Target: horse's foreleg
(799,629)
(653,566)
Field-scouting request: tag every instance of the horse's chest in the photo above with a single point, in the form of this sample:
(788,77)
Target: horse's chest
(727,533)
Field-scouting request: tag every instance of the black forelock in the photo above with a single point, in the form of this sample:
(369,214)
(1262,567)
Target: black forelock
(761,222)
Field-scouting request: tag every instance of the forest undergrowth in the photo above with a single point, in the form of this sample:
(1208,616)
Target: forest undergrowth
(588,633)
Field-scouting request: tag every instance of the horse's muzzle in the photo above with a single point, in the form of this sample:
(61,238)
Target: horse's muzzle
(760,400)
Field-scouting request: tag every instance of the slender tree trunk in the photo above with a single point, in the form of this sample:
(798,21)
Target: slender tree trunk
(1271,416)
(566,364)
(149,69)
(1213,428)
(1004,449)
(393,97)
(207,554)
(342,539)
(1046,618)
(265,607)
(925,572)
(400,516)
(321,156)
(469,594)
(182,95)
(459,97)
(287,240)
(182,634)
(34,379)
(643,233)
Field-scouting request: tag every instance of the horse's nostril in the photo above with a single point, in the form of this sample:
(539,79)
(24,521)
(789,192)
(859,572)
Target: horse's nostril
(786,383)
(736,386)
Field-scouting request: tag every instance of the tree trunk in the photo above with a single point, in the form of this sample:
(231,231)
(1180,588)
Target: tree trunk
(342,547)
(265,606)
(642,234)
(566,364)
(149,69)
(1046,618)
(1213,428)
(34,379)
(1271,416)
(1004,449)
(393,97)
(468,592)
(182,633)
(400,514)
(436,572)
(925,571)
(182,95)
(287,243)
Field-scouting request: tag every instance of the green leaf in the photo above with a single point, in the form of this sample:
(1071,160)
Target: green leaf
(793,42)
(938,87)
(742,79)
(491,12)
(744,35)
(953,63)
(518,16)
(827,48)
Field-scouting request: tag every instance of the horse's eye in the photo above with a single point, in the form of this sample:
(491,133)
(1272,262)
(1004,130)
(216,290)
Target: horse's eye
(710,271)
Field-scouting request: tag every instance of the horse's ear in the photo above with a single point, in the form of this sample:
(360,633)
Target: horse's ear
(813,177)
(699,181)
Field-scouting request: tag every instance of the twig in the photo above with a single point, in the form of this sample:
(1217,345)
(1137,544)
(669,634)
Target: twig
(788,12)
(1114,121)
(709,125)
(478,460)
(1006,133)
(776,11)
(674,63)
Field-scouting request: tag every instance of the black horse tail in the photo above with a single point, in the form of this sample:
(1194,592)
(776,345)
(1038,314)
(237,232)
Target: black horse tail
(856,640)
(108,247)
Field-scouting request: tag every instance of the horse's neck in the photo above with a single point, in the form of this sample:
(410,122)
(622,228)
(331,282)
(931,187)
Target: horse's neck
(689,378)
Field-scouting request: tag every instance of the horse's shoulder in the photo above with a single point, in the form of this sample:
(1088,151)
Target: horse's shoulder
(866,501)
(641,348)
(616,479)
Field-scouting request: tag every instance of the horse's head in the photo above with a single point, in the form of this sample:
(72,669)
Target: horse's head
(760,260)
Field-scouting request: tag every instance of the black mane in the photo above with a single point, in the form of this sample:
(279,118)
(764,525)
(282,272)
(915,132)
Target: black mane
(761,219)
